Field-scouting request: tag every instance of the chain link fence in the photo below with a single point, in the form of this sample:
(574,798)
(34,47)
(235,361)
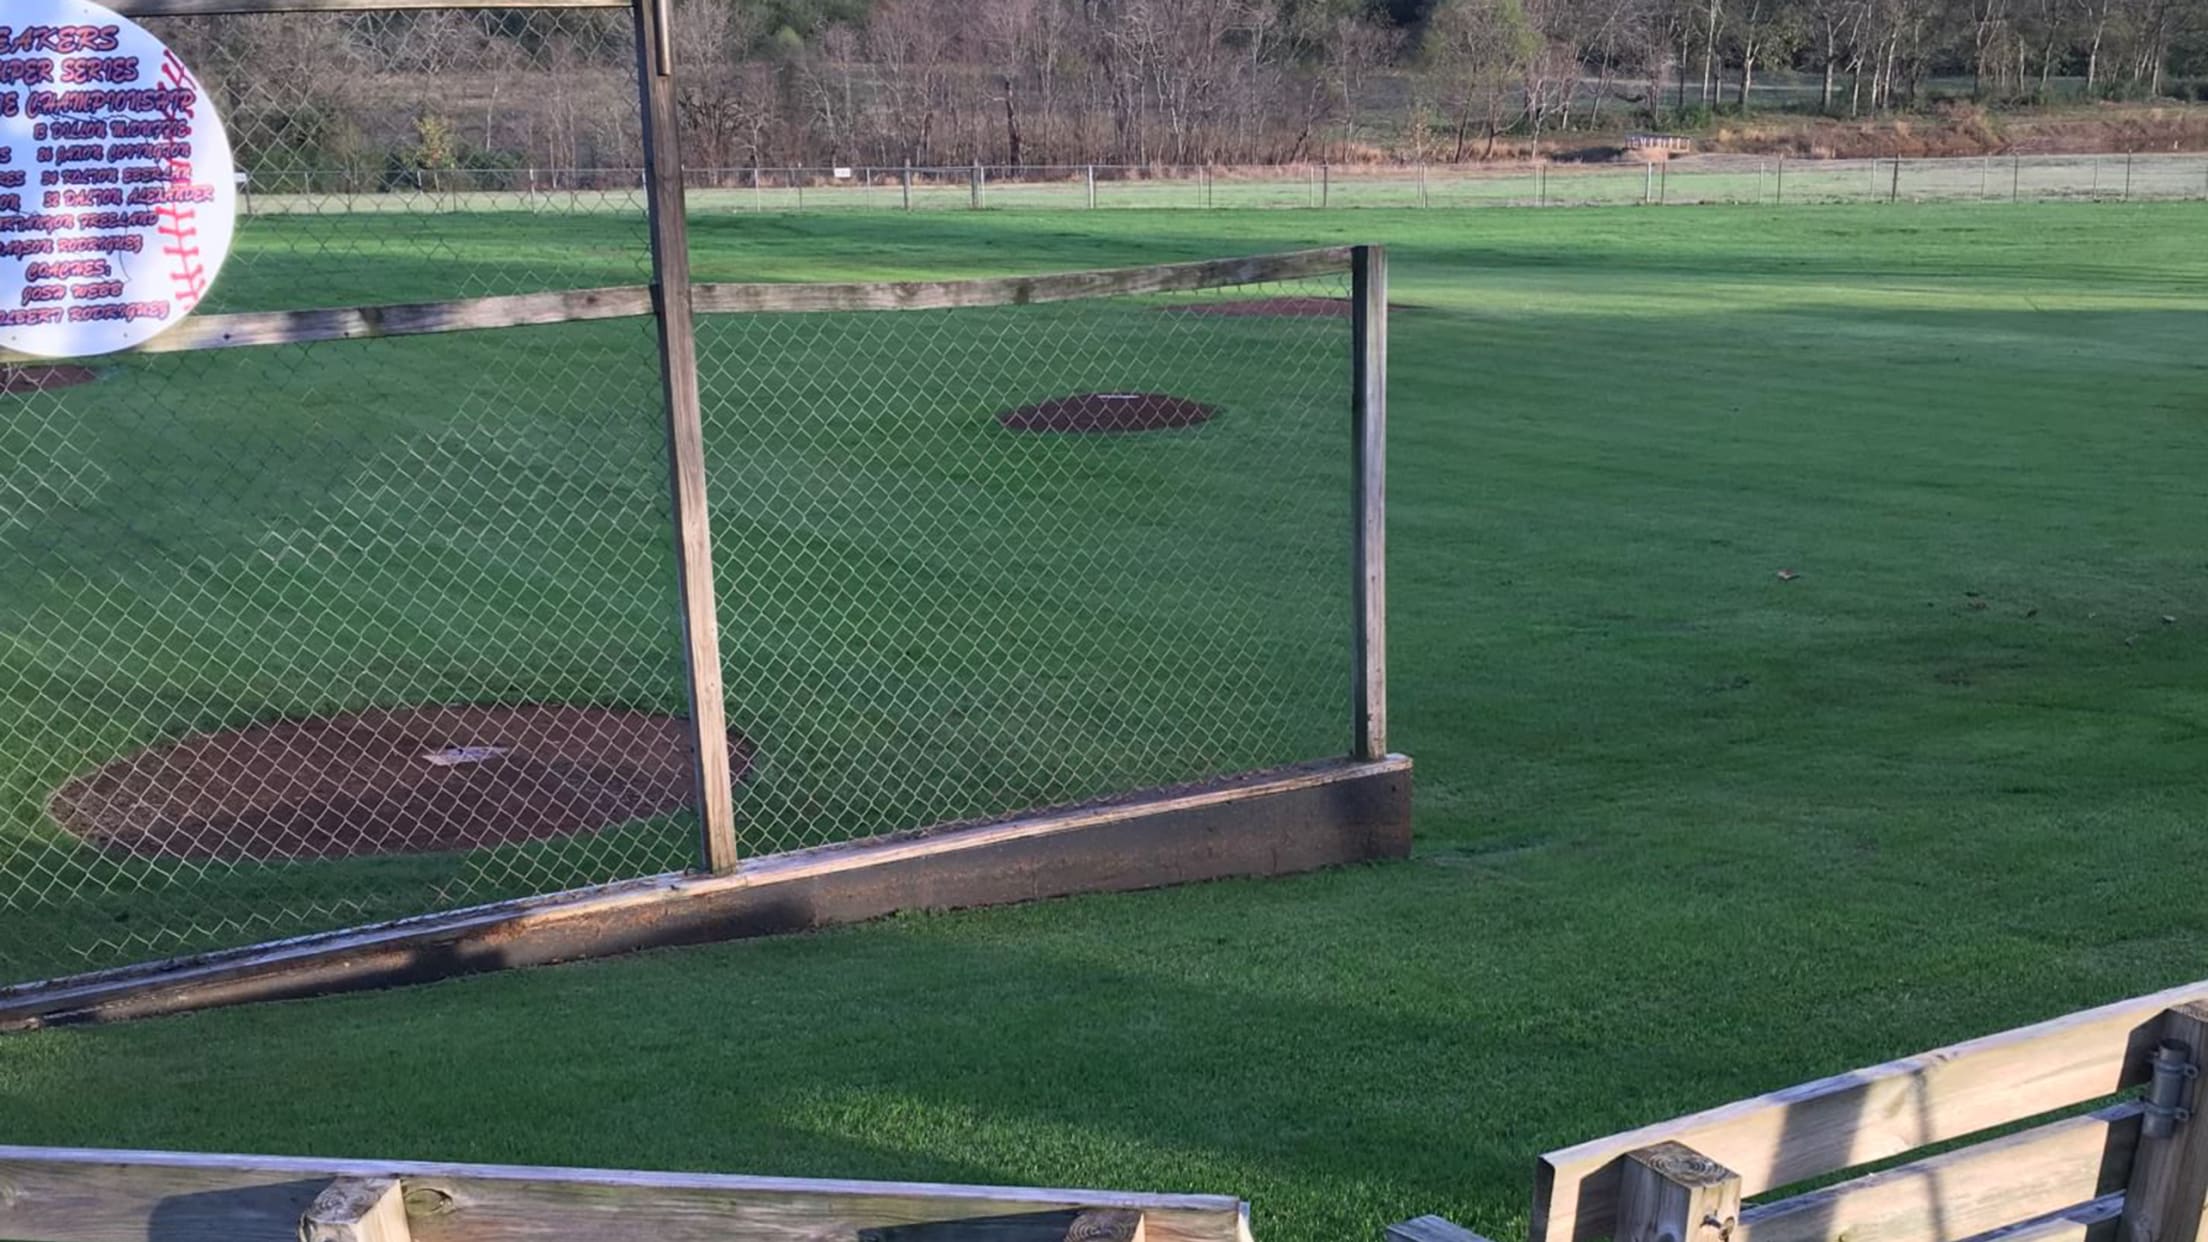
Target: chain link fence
(974,561)
(300,636)
(1695,180)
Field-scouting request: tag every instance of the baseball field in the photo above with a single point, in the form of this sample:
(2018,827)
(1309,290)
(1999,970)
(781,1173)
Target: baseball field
(1796,620)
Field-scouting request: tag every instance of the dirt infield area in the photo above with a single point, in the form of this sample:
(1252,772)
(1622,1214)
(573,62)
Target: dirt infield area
(18,381)
(387,782)
(1108,411)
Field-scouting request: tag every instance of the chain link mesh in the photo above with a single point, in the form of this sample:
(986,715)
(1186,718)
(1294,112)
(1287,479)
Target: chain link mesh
(204,552)
(300,637)
(929,617)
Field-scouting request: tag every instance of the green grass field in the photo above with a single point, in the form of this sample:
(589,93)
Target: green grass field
(1686,830)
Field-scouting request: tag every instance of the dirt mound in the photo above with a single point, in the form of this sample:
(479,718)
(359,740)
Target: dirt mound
(24,380)
(1108,411)
(387,782)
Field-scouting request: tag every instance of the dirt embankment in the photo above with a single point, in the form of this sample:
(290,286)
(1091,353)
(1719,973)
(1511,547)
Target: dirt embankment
(1970,130)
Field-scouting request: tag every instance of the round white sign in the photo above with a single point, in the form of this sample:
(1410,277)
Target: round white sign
(117,192)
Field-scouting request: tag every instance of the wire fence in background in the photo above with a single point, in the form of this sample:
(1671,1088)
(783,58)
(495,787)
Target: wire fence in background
(1773,181)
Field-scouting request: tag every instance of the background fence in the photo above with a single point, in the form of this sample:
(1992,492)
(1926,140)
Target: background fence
(312,631)
(1713,179)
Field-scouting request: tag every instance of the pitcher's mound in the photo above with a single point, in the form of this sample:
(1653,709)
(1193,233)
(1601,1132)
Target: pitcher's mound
(22,380)
(387,782)
(1108,411)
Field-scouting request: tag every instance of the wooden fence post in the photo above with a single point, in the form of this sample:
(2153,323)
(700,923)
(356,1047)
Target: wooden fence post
(357,1209)
(678,366)
(1368,514)
(2169,1176)
(1672,1193)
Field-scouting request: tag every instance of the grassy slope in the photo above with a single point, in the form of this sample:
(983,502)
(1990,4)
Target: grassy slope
(1687,831)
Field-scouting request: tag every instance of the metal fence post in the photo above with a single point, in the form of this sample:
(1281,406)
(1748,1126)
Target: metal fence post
(1893,195)
(1778,194)
(1985,169)
(1648,183)
(973,187)
(678,359)
(2127,175)
(2169,1173)
(797,182)
(1326,182)
(907,185)
(1368,277)
(2016,177)
(1092,187)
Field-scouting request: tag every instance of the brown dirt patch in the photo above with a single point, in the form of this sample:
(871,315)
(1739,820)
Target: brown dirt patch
(387,782)
(24,380)
(1108,411)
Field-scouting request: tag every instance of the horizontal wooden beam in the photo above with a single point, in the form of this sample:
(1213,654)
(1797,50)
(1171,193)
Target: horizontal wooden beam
(296,327)
(1873,1114)
(76,1195)
(2096,1221)
(1020,290)
(227,8)
(202,332)
(1967,1191)
(1271,823)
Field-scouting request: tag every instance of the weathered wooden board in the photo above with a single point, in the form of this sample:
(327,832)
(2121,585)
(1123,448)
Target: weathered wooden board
(1872,1114)
(355,323)
(1970,1190)
(2086,1222)
(1272,823)
(1430,1229)
(1018,290)
(69,1195)
(678,370)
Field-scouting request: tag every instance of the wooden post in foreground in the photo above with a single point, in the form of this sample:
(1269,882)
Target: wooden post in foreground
(678,366)
(357,1209)
(2169,1176)
(1673,1193)
(1368,292)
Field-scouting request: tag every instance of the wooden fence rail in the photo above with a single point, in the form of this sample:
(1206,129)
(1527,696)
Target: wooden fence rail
(75,1195)
(2137,1170)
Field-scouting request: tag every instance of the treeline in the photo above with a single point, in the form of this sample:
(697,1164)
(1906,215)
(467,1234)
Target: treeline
(1138,82)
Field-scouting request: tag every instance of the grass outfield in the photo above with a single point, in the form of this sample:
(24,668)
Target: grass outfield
(1686,830)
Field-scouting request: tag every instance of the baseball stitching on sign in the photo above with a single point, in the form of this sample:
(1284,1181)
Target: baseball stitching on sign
(179,222)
